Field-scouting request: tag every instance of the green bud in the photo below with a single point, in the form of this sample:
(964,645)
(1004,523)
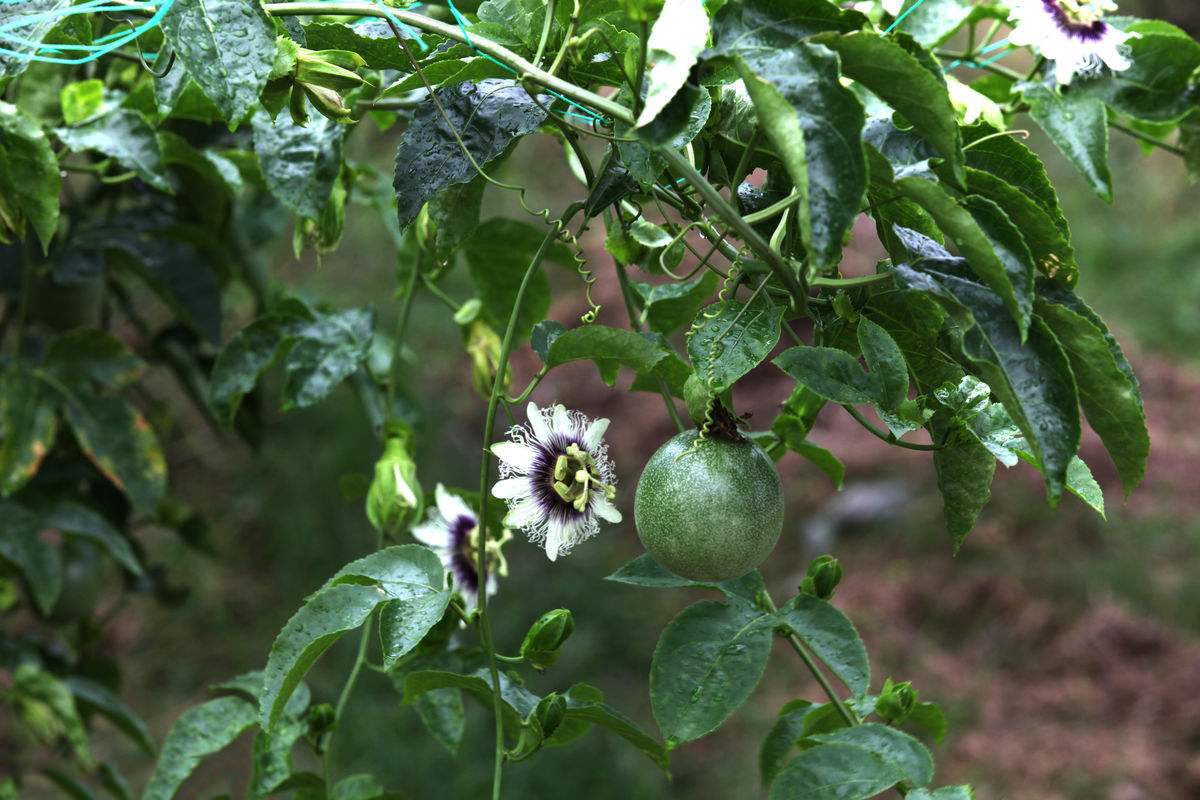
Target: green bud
(896,701)
(326,101)
(824,574)
(331,69)
(550,712)
(286,53)
(394,499)
(483,346)
(546,637)
(844,307)
(468,312)
(320,720)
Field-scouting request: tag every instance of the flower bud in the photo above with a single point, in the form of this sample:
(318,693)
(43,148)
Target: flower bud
(546,637)
(896,701)
(551,710)
(395,496)
(483,346)
(331,69)
(824,574)
(326,101)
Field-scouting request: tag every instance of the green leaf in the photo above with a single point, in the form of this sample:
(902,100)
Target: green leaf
(92,696)
(1108,391)
(227,47)
(498,255)
(38,561)
(583,709)
(75,520)
(904,83)
(935,21)
(915,321)
(29,174)
(707,663)
(1049,248)
(454,213)
(125,136)
(831,373)
(835,772)
(672,49)
(403,623)
(787,731)
(84,355)
(645,571)
(674,128)
(732,338)
(1033,380)
(884,359)
(1078,125)
(198,733)
(667,307)
(1157,87)
(606,346)
(121,443)
(829,168)
(831,636)
(318,350)
(272,765)
(81,100)
(442,712)
(987,239)
(895,747)
(70,786)
(964,472)
(1006,158)
(299,163)
(28,425)
(371,39)
(821,458)
(488,116)
(321,621)
(408,579)
(765,27)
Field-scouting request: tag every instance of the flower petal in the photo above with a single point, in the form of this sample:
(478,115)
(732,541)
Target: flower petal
(604,508)
(518,456)
(537,423)
(451,505)
(525,514)
(555,536)
(594,434)
(562,420)
(433,533)
(512,488)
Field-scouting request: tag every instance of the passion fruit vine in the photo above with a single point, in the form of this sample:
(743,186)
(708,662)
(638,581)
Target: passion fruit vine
(709,508)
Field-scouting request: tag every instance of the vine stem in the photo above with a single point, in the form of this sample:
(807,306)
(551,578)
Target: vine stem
(887,437)
(843,710)
(627,295)
(680,164)
(483,44)
(484,624)
(1136,134)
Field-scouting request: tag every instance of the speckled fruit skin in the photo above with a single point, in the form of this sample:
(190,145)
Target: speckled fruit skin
(712,515)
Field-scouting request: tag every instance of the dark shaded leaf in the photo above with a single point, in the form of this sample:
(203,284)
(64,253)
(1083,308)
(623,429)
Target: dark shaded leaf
(199,732)
(488,116)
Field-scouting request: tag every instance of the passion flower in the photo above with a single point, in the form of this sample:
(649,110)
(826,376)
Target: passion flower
(557,478)
(452,530)
(1071,33)
(709,508)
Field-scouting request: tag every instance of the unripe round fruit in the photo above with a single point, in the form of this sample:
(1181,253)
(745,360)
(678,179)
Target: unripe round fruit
(712,514)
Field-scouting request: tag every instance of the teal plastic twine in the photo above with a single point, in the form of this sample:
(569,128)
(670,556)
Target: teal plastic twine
(959,62)
(10,31)
(588,114)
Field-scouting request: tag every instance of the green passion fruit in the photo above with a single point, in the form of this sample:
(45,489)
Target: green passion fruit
(709,510)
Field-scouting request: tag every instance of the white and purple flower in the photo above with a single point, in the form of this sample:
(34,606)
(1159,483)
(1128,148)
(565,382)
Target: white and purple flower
(1071,33)
(557,478)
(452,530)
